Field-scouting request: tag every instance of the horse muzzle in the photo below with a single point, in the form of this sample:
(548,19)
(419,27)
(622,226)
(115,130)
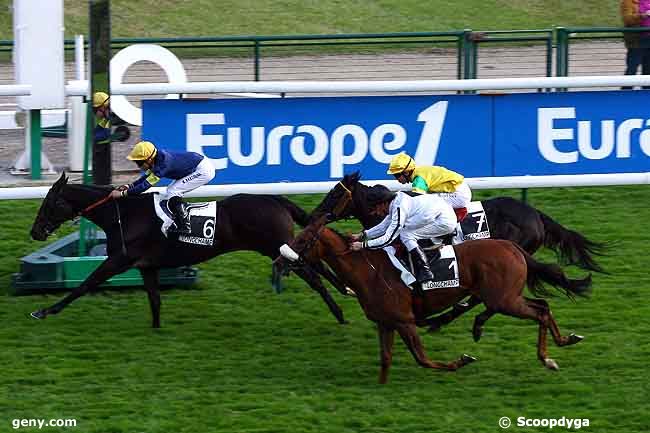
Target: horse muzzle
(39,234)
(288,253)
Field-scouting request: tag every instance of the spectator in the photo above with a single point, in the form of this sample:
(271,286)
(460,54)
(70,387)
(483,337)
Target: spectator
(636,13)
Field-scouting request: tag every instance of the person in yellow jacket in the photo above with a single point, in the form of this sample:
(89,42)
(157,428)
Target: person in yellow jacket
(447,184)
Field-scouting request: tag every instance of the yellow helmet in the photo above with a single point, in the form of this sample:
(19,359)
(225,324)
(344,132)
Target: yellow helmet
(99,99)
(399,163)
(142,151)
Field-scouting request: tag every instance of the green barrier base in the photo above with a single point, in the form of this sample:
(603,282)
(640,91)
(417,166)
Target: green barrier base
(56,268)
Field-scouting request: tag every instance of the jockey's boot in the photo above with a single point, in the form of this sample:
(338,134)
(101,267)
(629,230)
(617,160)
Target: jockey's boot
(421,265)
(181,217)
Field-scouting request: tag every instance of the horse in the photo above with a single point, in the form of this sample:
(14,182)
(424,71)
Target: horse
(260,223)
(494,271)
(509,219)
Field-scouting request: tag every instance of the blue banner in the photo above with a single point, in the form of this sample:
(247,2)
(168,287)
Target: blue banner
(322,138)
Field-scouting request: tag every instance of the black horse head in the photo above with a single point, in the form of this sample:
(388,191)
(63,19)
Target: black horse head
(54,211)
(349,198)
(335,203)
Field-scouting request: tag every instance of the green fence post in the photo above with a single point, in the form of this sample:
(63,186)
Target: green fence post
(562,63)
(468,55)
(257,60)
(35,143)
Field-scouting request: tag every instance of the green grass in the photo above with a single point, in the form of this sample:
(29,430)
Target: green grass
(234,356)
(275,17)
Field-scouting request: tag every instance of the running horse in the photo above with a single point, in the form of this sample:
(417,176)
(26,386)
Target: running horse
(494,271)
(509,219)
(260,223)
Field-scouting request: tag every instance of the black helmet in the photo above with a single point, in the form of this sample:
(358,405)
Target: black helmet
(379,194)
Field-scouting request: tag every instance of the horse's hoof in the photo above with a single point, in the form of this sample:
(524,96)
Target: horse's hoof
(39,314)
(467,359)
(551,364)
(574,338)
(350,292)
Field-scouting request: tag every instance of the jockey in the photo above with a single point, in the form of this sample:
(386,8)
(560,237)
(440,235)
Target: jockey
(412,218)
(447,184)
(102,129)
(189,171)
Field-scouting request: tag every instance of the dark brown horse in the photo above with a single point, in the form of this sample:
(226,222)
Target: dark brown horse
(260,223)
(494,271)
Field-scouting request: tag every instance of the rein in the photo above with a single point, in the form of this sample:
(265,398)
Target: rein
(100,202)
(94,205)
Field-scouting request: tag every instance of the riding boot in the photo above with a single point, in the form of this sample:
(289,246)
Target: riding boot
(421,265)
(181,217)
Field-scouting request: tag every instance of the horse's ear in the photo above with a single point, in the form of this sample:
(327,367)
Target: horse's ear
(352,178)
(61,181)
(356,176)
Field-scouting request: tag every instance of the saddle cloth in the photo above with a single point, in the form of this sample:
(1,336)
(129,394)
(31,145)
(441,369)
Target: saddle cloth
(473,226)
(443,264)
(203,218)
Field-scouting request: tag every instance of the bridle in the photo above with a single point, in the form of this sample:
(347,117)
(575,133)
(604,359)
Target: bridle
(341,205)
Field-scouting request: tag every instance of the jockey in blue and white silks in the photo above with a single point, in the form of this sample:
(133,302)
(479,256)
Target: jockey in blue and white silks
(189,170)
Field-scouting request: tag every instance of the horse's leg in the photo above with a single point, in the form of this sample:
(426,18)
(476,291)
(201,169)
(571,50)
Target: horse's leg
(437,322)
(315,283)
(479,321)
(386,340)
(332,278)
(113,265)
(410,336)
(151,284)
(525,309)
(276,276)
(559,339)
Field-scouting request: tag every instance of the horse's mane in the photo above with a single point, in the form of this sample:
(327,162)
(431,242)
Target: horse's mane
(91,188)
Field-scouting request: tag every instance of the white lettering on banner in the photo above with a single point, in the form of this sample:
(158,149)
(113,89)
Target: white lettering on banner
(349,144)
(612,137)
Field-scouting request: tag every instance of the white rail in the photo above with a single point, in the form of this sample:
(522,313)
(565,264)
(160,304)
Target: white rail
(81,88)
(15,90)
(322,187)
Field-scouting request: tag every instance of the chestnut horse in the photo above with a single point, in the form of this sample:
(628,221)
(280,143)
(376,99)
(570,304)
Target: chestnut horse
(494,271)
(509,219)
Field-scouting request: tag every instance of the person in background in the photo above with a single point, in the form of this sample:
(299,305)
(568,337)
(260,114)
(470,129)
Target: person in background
(189,170)
(636,13)
(440,181)
(101,110)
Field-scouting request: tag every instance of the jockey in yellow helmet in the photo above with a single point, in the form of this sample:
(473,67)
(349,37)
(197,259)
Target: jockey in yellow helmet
(101,109)
(189,170)
(447,184)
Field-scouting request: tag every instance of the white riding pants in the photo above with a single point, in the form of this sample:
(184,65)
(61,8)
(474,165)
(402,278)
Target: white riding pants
(203,174)
(440,225)
(460,198)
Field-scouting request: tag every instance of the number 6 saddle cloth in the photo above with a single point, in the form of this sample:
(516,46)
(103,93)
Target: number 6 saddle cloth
(203,219)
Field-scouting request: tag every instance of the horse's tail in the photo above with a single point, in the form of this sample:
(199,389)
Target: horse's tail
(539,273)
(571,247)
(298,214)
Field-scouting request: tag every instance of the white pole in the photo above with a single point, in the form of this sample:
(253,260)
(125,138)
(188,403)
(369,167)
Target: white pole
(78,110)
(80,65)
(15,90)
(323,187)
(81,88)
